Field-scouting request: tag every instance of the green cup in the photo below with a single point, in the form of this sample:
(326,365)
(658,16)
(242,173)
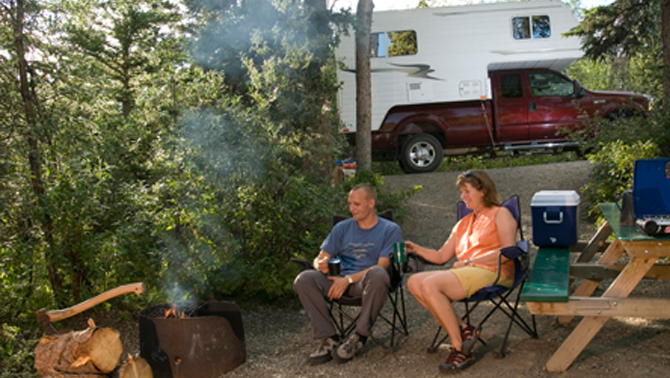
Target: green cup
(399,252)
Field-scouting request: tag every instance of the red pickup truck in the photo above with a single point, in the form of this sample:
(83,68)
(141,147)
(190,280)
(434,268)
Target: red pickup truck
(527,110)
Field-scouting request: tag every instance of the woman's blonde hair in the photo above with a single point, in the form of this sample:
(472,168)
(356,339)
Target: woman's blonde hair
(481,181)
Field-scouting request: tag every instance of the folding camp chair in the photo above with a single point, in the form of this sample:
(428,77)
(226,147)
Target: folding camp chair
(346,322)
(498,295)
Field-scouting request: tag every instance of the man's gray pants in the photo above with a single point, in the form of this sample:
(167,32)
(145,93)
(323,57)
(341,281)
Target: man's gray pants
(312,287)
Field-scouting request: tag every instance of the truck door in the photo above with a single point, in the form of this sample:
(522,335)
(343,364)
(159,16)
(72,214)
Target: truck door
(510,107)
(552,105)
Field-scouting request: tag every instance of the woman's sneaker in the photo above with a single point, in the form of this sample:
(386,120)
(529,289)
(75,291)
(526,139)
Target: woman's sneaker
(323,353)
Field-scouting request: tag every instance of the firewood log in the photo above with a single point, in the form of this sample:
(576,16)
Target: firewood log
(135,367)
(90,352)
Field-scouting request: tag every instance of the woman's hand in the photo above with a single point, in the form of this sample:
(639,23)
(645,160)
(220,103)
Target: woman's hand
(458,264)
(410,247)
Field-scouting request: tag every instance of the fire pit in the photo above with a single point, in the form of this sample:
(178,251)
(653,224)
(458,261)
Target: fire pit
(192,340)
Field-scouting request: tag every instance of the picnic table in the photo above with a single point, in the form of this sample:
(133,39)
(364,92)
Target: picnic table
(546,292)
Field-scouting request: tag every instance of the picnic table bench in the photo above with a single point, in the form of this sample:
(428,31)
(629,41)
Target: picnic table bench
(549,278)
(546,291)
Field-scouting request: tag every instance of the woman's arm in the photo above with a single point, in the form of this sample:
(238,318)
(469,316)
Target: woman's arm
(444,254)
(506,226)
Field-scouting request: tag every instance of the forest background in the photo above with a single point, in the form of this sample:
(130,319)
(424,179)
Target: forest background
(190,145)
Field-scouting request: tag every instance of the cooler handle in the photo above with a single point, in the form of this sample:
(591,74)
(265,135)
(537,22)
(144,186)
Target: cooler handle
(549,221)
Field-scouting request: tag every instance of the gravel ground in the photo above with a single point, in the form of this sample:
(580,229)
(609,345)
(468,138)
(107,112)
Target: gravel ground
(278,340)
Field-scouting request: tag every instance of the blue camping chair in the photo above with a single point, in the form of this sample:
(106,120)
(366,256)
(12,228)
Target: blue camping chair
(498,295)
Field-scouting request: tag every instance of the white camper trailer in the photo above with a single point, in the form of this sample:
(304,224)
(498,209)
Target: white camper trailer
(432,55)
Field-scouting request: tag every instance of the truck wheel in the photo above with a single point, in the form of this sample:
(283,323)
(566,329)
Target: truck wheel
(421,153)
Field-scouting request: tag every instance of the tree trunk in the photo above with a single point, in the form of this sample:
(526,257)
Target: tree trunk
(93,352)
(363,86)
(34,154)
(665,37)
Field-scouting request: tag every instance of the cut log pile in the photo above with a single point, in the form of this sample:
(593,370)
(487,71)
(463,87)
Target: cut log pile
(90,353)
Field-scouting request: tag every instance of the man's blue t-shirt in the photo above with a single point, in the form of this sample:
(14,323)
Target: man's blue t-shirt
(359,249)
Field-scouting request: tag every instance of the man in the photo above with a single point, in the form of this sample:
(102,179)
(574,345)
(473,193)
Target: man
(364,244)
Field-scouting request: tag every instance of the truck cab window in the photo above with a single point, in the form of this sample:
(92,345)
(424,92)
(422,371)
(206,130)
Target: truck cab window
(531,27)
(550,84)
(396,43)
(511,86)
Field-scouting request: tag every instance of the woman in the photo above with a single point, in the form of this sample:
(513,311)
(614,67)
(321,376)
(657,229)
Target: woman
(475,241)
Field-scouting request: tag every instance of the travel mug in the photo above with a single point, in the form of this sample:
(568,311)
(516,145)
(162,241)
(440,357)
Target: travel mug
(334,267)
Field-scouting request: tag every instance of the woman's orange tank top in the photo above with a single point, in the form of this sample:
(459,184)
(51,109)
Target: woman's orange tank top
(478,235)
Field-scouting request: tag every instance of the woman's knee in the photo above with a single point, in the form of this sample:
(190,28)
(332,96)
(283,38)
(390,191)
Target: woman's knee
(414,284)
(441,285)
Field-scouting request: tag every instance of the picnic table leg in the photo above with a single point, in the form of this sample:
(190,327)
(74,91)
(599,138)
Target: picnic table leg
(575,343)
(595,243)
(586,288)
(584,332)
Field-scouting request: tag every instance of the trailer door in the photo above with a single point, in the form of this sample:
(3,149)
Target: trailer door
(510,107)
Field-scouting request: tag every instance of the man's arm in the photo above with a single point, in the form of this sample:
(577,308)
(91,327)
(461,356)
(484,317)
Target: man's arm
(341,284)
(321,262)
(384,262)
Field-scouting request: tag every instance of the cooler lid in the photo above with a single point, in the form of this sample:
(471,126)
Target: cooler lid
(555,198)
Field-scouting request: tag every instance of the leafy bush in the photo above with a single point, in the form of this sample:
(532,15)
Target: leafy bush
(612,171)
(613,145)
(386,197)
(16,360)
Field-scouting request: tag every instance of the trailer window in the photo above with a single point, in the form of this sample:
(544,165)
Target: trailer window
(531,27)
(396,43)
(511,86)
(550,84)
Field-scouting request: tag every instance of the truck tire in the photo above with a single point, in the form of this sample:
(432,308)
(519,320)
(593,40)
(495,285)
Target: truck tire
(421,153)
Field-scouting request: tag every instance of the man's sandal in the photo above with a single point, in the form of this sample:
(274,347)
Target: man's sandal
(457,360)
(469,335)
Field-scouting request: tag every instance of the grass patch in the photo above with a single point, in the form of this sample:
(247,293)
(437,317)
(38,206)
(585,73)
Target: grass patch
(463,163)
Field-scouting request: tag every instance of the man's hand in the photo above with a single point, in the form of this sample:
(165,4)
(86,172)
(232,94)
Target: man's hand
(321,262)
(340,285)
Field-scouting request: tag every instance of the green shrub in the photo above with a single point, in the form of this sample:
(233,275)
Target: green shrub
(612,171)
(16,359)
(613,145)
(387,198)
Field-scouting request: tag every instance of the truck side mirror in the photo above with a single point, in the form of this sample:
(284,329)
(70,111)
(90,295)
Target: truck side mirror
(579,90)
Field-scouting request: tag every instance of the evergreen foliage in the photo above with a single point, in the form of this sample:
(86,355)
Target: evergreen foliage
(198,169)
(630,29)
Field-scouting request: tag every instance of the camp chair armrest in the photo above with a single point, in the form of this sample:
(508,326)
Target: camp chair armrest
(304,264)
(512,252)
